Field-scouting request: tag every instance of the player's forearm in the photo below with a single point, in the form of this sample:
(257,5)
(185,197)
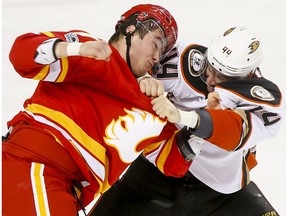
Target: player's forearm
(63,49)
(223,128)
(60,49)
(204,123)
(53,49)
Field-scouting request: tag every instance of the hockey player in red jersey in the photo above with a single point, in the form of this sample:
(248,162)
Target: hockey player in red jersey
(87,119)
(218,180)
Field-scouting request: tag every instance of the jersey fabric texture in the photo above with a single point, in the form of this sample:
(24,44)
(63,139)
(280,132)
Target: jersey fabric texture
(230,153)
(93,109)
(218,182)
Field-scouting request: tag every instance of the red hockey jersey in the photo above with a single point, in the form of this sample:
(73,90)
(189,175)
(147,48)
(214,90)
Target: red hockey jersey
(94,108)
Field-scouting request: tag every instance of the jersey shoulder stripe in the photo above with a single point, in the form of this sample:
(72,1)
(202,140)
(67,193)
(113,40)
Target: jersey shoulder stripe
(255,90)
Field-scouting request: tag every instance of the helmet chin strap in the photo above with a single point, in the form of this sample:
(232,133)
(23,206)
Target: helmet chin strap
(202,77)
(128,43)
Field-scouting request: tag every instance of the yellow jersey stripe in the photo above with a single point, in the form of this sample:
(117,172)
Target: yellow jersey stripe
(164,154)
(49,34)
(39,190)
(94,147)
(43,73)
(64,71)
(63,60)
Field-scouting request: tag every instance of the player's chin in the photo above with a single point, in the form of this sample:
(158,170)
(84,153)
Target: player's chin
(148,66)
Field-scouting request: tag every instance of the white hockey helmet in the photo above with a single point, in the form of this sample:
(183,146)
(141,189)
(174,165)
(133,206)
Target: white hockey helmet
(236,53)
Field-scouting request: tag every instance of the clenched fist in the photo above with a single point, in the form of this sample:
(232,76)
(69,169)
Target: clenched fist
(151,87)
(165,109)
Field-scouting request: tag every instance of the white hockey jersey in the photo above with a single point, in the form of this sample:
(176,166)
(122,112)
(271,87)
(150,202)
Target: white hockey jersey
(179,73)
(223,169)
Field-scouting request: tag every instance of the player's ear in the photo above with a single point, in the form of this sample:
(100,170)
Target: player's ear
(130,29)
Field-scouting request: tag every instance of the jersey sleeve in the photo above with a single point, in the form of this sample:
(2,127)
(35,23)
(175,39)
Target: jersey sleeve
(237,129)
(259,104)
(229,128)
(164,154)
(24,51)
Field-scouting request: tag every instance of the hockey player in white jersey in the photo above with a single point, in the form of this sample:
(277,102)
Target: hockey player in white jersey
(218,182)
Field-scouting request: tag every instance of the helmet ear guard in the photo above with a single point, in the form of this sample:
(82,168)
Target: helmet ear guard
(236,53)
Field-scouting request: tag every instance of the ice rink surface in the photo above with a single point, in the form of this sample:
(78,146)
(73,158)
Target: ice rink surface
(198,22)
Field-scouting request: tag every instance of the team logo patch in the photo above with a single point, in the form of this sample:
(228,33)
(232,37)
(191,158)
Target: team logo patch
(130,132)
(261,93)
(228,31)
(71,37)
(196,63)
(253,46)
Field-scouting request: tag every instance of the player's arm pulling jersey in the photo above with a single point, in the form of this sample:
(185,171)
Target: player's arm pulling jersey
(180,74)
